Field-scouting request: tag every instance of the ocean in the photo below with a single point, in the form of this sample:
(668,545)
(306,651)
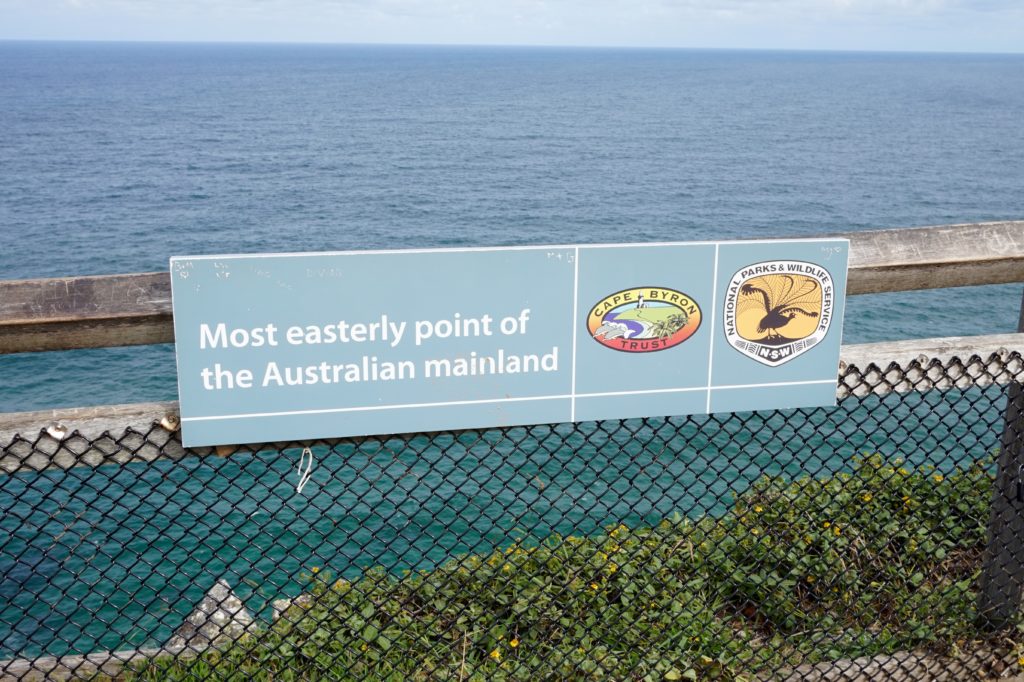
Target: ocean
(117,156)
(114,157)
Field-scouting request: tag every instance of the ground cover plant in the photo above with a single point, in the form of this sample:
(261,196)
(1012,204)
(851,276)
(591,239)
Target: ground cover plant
(882,559)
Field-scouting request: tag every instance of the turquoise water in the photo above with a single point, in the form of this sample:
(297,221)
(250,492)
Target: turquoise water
(117,556)
(115,157)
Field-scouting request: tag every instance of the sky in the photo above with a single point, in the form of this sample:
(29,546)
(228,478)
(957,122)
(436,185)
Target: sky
(902,25)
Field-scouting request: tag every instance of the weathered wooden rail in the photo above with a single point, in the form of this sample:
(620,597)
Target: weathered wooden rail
(127,310)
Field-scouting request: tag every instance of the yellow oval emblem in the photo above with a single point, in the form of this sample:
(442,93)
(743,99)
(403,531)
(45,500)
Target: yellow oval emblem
(643,319)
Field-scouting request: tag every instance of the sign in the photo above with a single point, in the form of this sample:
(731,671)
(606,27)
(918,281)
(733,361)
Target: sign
(276,347)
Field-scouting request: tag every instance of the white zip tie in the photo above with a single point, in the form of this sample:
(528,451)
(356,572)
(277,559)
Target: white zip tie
(304,476)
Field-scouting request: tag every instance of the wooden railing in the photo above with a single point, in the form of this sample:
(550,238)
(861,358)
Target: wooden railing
(128,310)
(135,309)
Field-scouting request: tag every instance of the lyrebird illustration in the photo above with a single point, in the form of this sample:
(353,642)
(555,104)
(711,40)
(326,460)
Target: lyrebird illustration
(782,298)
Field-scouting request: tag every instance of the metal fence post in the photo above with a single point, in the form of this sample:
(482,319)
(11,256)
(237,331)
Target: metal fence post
(1002,575)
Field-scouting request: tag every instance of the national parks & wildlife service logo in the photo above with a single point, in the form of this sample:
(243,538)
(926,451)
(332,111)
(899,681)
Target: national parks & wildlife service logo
(778,310)
(643,319)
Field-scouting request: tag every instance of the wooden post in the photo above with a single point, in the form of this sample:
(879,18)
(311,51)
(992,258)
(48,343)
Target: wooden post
(1002,575)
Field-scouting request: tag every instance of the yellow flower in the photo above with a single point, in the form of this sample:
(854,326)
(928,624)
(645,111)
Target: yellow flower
(496,655)
(827,524)
(612,568)
(903,471)
(836,530)
(811,579)
(316,569)
(938,478)
(593,586)
(866,497)
(758,508)
(513,643)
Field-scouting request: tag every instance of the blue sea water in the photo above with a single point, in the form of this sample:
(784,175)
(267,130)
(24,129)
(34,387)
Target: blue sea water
(114,157)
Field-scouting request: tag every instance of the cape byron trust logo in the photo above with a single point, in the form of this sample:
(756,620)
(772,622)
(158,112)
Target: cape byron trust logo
(778,310)
(644,319)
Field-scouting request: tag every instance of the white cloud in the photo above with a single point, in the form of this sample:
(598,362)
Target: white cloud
(987,25)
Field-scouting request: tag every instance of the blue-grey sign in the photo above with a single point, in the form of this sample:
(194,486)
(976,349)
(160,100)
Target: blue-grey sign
(277,347)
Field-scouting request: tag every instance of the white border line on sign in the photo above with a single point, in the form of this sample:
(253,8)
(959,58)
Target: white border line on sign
(575,325)
(566,396)
(776,384)
(714,307)
(648,391)
(368,408)
(478,249)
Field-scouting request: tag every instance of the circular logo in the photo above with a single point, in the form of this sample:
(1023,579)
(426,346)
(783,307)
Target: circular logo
(643,319)
(776,311)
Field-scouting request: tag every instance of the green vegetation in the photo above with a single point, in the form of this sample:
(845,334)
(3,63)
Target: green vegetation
(880,560)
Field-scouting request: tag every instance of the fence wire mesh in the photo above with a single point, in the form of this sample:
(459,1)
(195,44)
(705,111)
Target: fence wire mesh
(876,539)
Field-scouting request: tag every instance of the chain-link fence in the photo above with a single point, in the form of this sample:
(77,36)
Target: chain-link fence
(863,541)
